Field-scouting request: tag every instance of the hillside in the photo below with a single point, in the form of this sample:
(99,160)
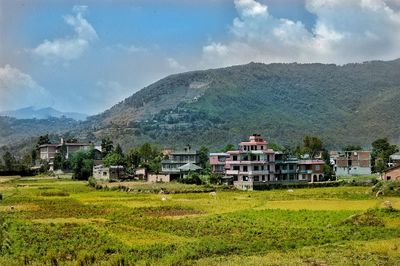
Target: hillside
(20,135)
(353,103)
(349,104)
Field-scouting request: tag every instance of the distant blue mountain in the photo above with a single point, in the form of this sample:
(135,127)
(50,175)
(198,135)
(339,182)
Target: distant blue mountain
(41,113)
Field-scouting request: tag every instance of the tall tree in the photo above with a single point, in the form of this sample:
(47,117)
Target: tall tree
(117,157)
(9,161)
(43,140)
(381,151)
(107,146)
(81,165)
(203,156)
(312,145)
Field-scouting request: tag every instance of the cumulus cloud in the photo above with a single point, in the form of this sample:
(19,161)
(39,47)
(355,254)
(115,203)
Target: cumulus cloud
(345,31)
(70,47)
(18,89)
(175,65)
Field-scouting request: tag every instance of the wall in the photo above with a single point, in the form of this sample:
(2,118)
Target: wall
(393,174)
(153,178)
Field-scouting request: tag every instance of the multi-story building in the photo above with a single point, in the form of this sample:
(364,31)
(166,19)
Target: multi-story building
(351,162)
(310,170)
(253,162)
(218,162)
(177,159)
(47,152)
(292,169)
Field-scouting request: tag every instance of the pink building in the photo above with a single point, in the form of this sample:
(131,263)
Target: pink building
(218,161)
(253,162)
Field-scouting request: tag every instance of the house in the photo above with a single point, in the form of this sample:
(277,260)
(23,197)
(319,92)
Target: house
(394,159)
(291,169)
(177,159)
(47,152)
(311,170)
(253,162)
(351,162)
(101,172)
(286,167)
(217,162)
(392,173)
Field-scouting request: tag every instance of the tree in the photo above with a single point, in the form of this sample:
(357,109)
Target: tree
(117,157)
(107,147)
(351,147)
(34,156)
(81,165)
(133,158)
(146,152)
(381,151)
(43,140)
(312,145)
(9,161)
(229,147)
(60,160)
(203,157)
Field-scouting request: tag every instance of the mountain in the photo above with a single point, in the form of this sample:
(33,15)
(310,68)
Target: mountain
(42,113)
(348,104)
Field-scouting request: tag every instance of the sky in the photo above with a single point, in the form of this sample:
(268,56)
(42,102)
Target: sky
(85,56)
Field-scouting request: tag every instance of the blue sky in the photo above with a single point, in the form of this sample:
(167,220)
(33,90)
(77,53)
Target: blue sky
(85,56)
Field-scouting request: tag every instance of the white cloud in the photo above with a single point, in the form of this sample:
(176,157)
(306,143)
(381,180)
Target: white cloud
(175,65)
(70,47)
(345,31)
(18,89)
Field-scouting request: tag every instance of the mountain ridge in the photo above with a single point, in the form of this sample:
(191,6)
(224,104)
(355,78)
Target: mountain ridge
(32,112)
(343,104)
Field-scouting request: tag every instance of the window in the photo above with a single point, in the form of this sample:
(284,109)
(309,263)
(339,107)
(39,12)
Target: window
(245,168)
(317,167)
(234,157)
(262,147)
(256,178)
(263,178)
(291,166)
(104,173)
(256,167)
(236,167)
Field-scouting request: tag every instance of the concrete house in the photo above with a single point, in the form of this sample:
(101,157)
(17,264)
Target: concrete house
(253,162)
(115,172)
(218,162)
(392,173)
(351,162)
(172,166)
(47,152)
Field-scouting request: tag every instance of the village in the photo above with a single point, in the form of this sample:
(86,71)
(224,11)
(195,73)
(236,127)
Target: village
(251,166)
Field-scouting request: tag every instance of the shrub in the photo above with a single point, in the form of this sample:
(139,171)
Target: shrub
(364,219)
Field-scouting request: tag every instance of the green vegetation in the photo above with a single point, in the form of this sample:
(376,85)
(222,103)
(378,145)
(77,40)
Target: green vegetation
(282,101)
(49,221)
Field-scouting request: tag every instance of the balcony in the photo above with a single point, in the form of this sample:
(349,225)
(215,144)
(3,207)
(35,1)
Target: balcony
(232,172)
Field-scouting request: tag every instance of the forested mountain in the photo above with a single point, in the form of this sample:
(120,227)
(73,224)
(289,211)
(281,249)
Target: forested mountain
(353,103)
(349,104)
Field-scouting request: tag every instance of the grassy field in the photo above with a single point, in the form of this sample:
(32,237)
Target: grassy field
(50,221)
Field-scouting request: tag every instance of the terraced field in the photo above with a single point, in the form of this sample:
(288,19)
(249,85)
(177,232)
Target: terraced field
(49,221)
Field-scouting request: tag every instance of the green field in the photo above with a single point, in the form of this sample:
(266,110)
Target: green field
(49,221)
